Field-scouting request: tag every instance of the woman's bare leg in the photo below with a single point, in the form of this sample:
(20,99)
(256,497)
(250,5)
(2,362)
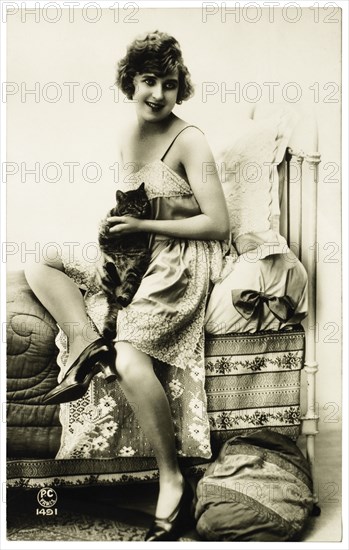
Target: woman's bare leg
(147,397)
(63,299)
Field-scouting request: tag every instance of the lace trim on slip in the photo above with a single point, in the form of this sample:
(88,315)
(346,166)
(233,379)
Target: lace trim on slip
(160,181)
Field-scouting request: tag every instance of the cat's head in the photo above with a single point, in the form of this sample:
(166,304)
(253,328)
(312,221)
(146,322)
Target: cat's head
(133,203)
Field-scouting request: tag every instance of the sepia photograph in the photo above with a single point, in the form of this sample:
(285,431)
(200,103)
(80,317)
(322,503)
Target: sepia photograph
(173,273)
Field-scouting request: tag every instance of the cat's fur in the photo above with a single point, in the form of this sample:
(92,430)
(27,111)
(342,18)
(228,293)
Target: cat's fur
(125,258)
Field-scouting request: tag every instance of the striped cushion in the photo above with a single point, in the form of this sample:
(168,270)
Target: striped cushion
(253,380)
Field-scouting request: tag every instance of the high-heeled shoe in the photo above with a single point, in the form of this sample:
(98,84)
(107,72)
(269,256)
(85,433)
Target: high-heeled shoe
(175,525)
(99,356)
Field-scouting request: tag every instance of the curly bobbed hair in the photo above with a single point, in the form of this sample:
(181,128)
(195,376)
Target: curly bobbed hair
(157,53)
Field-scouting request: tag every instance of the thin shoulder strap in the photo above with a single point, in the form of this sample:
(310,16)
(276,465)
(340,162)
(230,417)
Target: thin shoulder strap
(174,139)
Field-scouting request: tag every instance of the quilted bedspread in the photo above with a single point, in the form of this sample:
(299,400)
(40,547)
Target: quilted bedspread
(33,429)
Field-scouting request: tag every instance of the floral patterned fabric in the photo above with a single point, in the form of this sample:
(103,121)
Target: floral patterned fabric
(165,320)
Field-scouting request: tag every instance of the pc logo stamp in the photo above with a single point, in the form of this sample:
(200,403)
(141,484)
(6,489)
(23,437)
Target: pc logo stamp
(47,497)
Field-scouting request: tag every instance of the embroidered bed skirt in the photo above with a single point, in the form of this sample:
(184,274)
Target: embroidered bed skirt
(253,381)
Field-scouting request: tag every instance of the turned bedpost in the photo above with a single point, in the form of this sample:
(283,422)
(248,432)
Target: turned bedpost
(309,180)
(310,419)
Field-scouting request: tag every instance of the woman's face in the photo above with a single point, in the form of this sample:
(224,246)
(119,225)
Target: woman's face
(155,96)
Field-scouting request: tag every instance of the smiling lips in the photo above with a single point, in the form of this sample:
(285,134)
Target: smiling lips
(154,106)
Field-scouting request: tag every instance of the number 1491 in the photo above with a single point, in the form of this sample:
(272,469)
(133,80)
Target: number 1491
(46,511)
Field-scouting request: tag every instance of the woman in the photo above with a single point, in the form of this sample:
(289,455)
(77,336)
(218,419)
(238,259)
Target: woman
(165,319)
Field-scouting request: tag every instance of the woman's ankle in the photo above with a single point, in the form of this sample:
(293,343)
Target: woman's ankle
(172,483)
(170,493)
(78,344)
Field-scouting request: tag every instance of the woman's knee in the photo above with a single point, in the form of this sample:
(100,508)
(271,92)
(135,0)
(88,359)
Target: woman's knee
(35,272)
(132,365)
(51,258)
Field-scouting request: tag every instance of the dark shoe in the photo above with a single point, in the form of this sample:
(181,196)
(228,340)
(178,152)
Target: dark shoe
(180,521)
(97,357)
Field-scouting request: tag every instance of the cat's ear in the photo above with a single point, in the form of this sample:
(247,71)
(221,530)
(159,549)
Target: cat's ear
(141,187)
(120,196)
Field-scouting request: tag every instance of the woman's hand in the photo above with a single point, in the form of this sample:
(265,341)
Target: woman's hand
(120,225)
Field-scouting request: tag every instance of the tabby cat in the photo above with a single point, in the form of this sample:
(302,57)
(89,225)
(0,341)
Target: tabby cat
(125,258)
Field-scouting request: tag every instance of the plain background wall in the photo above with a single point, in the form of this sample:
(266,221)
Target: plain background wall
(300,47)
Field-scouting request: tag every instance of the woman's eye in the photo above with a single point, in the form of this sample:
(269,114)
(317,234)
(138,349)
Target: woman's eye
(167,85)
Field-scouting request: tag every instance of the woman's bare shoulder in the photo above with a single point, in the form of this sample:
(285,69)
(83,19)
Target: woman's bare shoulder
(193,139)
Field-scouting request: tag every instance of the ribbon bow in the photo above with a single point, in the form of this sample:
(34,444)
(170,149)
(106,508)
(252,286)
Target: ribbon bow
(247,302)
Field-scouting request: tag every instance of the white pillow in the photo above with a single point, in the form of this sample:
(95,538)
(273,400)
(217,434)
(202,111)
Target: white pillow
(285,119)
(248,169)
(245,170)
